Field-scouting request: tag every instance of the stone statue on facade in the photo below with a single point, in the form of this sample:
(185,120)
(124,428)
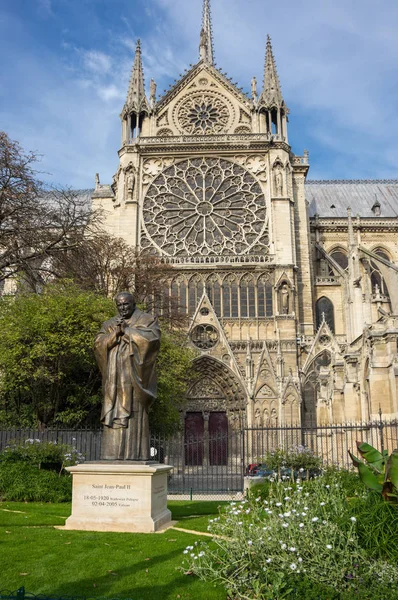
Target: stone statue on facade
(254,88)
(126,350)
(130,184)
(278,180)
(284,295)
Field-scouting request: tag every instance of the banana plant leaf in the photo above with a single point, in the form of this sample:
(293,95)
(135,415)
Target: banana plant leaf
(355,460)
(392,469)
(371,455)
(369,478)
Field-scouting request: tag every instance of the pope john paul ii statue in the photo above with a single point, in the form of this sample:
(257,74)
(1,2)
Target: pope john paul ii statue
(126,350)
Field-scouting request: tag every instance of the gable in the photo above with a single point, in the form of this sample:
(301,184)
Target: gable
(204,102)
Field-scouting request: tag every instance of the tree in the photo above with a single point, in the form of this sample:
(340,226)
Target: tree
(35,223)
(107,265)
(48,373)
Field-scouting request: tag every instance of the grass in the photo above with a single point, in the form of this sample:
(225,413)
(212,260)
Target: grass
(76,563)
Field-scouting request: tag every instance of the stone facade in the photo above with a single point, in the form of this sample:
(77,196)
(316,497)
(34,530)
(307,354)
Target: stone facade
(291,286)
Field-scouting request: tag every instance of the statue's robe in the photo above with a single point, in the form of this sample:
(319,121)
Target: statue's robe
(129,385)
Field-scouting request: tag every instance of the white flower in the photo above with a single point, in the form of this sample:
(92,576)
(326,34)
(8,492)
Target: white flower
(287,514)
(324,522)
(300,559)
(304,514)
(287,497)
(268,560)
(292,549)
(293,566)
(250,543)
(247,511)
(353,519)
(327,486)
(323,503)
(314,519)
(195,558)
(185,552)
(201,554)
(285,525)
(240,523)
(278,504)
(328,546)
(283,546)
(301,525)
(301,470)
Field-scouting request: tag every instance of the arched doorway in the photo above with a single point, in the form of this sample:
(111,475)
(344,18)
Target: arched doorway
(216,406)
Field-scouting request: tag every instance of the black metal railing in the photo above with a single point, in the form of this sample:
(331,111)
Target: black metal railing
(216,463)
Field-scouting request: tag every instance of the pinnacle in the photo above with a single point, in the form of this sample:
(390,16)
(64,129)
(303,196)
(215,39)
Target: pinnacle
(136,99)
(206,51)
(271,94)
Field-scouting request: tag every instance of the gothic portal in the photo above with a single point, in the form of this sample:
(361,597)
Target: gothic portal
(291,286)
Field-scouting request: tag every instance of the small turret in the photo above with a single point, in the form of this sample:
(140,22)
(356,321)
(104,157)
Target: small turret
(136,107)
(271,106)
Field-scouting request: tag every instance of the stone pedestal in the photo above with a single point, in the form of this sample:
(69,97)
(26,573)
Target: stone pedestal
(119,496)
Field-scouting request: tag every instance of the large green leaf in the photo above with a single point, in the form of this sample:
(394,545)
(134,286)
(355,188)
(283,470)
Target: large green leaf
(392,469)
(369,478)
(371,455)
(355,461)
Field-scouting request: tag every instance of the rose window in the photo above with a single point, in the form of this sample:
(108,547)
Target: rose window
(204,206)
(204,336)
(203,113)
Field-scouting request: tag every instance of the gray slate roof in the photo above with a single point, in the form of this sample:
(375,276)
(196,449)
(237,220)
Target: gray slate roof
(359,195)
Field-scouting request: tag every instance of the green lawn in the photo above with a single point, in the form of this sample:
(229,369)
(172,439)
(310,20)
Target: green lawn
(76,563)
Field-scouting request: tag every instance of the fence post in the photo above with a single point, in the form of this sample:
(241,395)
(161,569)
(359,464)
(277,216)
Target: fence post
(20,593)
(381,428)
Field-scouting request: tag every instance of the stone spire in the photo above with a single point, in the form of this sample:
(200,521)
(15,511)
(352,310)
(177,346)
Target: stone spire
(136,100)
(206,52)
(271,96)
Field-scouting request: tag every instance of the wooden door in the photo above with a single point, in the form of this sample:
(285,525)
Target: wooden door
(218,438)
(194,431)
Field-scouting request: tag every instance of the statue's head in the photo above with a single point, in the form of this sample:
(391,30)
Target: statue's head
(125,304)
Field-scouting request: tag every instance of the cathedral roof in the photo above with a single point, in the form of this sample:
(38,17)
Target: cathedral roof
(332,198)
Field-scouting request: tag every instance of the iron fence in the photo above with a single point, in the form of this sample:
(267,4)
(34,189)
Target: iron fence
(216,464)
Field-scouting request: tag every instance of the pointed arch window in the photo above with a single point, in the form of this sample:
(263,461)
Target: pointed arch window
(311,390)
(376,276)
(339,255)
(247,298)
(324,308)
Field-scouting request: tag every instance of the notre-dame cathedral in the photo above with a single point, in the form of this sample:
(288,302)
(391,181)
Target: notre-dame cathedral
(291,285)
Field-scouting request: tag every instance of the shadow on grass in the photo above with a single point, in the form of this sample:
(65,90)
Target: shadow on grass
(128,583)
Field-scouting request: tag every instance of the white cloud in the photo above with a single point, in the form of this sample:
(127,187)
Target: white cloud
(97,62)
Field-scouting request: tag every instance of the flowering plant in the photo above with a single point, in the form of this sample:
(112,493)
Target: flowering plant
(39,453)
(299,531)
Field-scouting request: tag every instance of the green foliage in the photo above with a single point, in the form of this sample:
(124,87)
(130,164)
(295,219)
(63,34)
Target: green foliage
(41,454)
(377,525)
(299,459)
(47,367)
(23,482)
(379,472)
(173,370)
(298,536)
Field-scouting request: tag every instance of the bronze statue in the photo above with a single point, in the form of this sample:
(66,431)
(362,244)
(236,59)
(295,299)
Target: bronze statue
(126,350)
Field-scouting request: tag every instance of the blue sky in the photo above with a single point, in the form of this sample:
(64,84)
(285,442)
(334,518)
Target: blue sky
(66,66)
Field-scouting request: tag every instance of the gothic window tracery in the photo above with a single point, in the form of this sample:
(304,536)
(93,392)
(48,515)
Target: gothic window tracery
(339,255)
(203,113)
(204,207)
(376,276)
(311,389)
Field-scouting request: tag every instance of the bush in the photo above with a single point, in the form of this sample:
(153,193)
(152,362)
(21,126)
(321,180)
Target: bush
(23,482)
(41,454)
(296,462)
(301,535)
